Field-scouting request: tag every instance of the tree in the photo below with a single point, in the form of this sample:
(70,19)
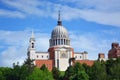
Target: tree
(109,64)
(38,74)
(98,71)
(113,69)
(24,72)
(2,76)
(44,68)
(47,74)
(81,75)
(56,73)
(5,72)
(87,69)
(29,64)
(76,72)
(17,72)
(78,67)
(69,73)
(115,72)
(80,72)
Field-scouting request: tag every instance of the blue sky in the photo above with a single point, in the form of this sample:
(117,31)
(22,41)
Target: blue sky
(92,25)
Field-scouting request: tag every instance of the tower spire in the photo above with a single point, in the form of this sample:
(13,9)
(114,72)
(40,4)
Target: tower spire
(32,36)
(59,18)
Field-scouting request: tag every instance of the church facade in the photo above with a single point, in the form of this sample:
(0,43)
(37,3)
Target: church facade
(60,51)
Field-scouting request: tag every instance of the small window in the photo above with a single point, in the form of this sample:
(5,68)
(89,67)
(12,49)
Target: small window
(80,56)
(37,56)
(42,56)
(32,45)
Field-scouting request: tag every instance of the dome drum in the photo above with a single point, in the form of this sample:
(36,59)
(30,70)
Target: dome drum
(59,42)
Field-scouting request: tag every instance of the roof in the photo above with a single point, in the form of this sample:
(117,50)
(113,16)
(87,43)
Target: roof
(88,62)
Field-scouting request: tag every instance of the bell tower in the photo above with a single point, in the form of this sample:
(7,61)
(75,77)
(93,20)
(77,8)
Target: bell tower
(31,47)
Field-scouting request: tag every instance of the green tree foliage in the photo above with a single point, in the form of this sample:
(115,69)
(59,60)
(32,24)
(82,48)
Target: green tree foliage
(87,69)
(69,73)
(78,67)
(29,64)
(5,73)
(39,74)
(80,72)
(81,75)
(44,68)
(76,72)
(47,74)
(2,76)
(98,71)
(113,69)
(18,73)
(56,73)
(109,70)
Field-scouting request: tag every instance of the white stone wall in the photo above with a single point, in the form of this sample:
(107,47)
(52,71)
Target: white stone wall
(41,56)
(32,54)
(62,62)
(84,56)
(78,56)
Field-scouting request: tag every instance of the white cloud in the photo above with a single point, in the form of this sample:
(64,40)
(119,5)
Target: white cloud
(28,7)
(102,12)
(14,37)
(101,17)
(14,45)
(13,54)
(42,42)
(15,14)
(100,5)
(92,43)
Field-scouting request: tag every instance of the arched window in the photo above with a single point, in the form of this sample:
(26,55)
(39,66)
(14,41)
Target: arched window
(37,56)
(53,42)
(64,42)
(58,41)
(80,57)
(32,45)
(61,41)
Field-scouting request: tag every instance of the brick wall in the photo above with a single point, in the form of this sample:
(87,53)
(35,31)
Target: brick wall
(48,63)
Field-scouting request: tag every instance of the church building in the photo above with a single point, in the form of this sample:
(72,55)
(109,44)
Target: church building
(60,51)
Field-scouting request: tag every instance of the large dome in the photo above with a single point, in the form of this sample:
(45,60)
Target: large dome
(59,32)
(59,36)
